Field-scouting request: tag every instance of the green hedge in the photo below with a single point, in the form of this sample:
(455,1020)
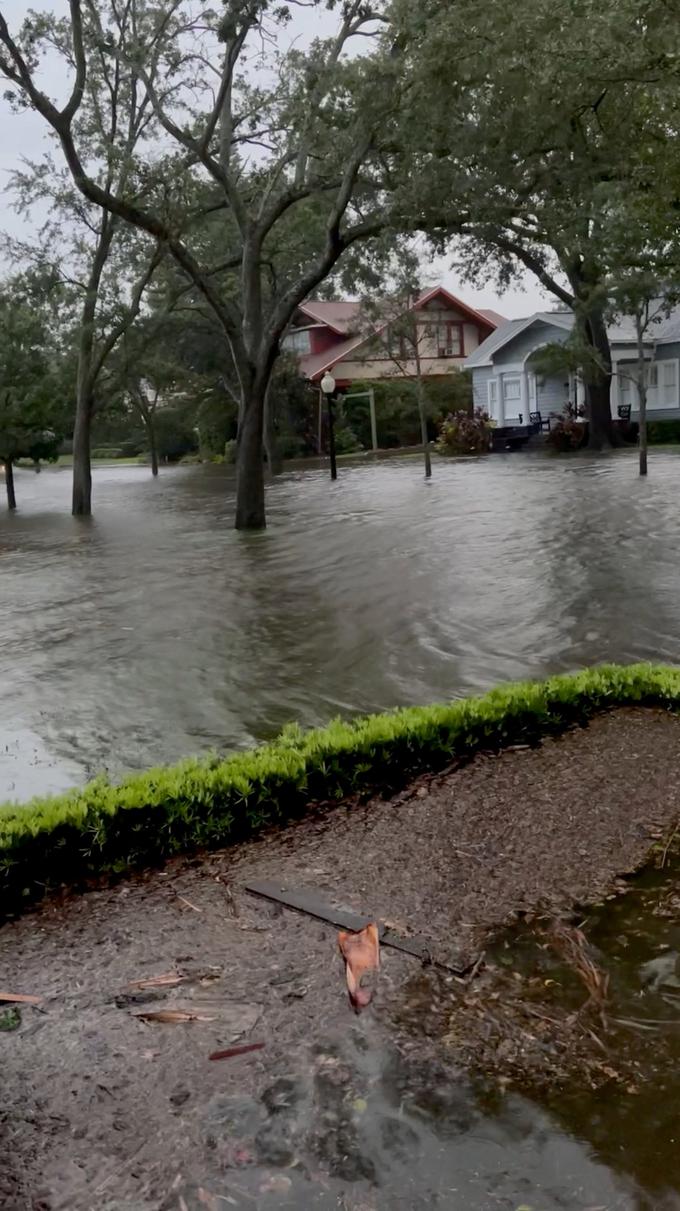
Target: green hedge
(661,432)
(209,802)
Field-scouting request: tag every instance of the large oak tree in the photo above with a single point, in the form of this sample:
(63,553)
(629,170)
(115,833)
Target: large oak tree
(290,144)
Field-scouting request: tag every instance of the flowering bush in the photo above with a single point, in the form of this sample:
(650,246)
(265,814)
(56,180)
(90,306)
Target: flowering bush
(465,433)
(568,431)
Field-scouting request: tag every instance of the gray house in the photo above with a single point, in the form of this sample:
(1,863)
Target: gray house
(506,385)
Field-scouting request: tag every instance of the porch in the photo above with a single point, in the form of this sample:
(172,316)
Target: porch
(516,394)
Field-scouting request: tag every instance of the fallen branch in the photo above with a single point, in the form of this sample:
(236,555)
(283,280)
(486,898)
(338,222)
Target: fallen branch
(233,1051)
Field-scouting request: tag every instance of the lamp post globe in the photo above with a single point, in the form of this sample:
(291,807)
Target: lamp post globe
(328,388)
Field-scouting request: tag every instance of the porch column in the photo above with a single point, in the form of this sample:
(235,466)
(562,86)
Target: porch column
(524,397)
(580,392)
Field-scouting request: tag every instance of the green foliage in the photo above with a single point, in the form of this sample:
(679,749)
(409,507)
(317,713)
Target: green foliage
(175,435)
(107,452)
(568,432)
(205,803)
(462,433)
(10,1018)
(29,375)
(397,407)
(660,432)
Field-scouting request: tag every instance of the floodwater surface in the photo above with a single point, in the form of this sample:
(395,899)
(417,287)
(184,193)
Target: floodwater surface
(154,630)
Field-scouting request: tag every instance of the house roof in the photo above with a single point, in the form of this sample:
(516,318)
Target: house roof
(494,317)
(483,356)
(314,365)
(664,330)
(340,316)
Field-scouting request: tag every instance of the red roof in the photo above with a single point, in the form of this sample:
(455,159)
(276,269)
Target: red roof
(342,316)
(494,317)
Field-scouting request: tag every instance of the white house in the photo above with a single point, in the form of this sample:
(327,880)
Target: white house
(504,382)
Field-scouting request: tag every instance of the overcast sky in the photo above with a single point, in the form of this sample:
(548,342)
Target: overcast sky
(24,135)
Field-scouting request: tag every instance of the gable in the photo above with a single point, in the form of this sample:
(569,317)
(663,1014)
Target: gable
(491,351)
(528,341)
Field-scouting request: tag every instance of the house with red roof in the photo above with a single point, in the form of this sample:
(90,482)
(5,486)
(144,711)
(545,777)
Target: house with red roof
(337,337)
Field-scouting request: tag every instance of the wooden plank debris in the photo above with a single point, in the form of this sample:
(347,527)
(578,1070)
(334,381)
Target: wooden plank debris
(307,901)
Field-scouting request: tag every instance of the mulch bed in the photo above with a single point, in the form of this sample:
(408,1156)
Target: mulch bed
(101,1109)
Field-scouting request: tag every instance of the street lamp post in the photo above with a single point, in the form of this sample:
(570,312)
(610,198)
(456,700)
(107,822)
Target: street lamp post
(328,388)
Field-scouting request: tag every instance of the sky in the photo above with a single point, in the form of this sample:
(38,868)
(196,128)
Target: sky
(23,135)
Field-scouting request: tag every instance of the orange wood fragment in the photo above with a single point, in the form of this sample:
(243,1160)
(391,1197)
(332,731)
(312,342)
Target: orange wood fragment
(361,952)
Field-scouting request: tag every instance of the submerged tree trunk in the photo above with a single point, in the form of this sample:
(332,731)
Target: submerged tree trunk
(250,510)
(422,412)
(153,446)
(597,381)
(86,377)
(149,422)
(271,445)
(9,484)
(642,391)
(82,467)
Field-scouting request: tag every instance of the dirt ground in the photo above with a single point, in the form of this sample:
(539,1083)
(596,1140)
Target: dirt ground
(102,1109)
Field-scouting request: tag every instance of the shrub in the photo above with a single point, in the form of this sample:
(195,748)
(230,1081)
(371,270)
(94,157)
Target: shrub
(662,431)
(107,452)
(568,432)
(462,433)
(132,447)
(397,407)
(175,435)
(346,442)
(201,803)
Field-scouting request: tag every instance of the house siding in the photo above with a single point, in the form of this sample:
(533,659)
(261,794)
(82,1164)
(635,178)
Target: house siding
(471,338)
(528,342)
(662,353)
(552,397)
(385,367)
(480,380)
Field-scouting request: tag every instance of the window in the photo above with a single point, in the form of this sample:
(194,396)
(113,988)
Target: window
(492,396)
(450,340)
(297,341)
(399,346)
(512,389)
(662,384)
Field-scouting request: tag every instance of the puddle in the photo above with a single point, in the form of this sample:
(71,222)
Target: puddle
(370,1128)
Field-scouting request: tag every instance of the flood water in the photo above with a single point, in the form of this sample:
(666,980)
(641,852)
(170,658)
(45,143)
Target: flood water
(154,630)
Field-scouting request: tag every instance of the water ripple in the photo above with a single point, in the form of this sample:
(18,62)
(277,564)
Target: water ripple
(156,630)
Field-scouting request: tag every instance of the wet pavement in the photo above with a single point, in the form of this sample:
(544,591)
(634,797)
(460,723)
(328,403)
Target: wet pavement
(155,631)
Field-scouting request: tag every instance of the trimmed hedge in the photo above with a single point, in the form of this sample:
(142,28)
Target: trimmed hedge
(660,432)
(206,803)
